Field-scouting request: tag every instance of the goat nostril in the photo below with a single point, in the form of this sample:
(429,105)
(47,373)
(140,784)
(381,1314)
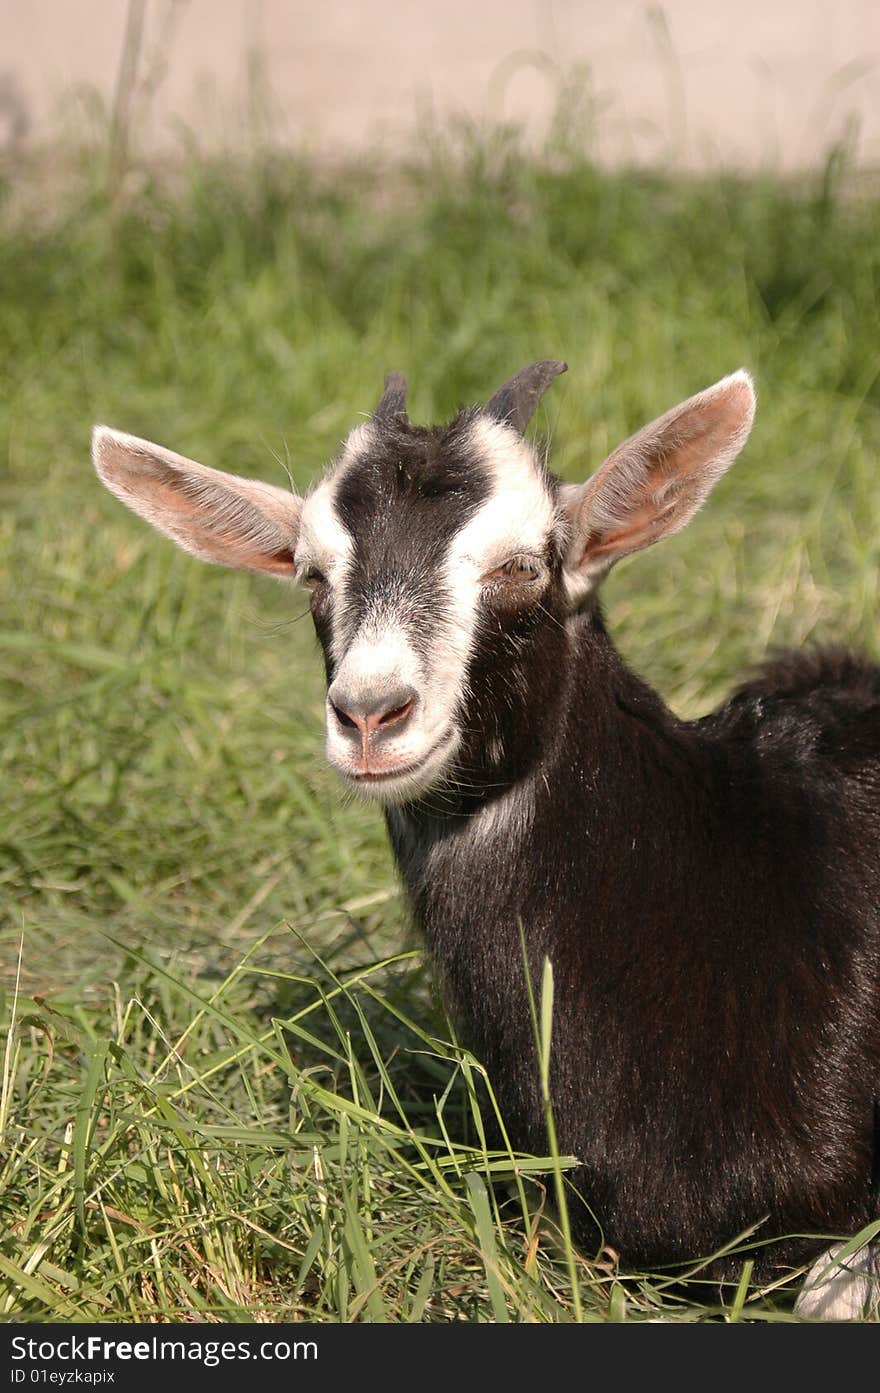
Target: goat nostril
(343,717)
(395,716)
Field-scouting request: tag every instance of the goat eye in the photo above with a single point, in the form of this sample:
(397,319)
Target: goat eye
(518,568)
(312,577)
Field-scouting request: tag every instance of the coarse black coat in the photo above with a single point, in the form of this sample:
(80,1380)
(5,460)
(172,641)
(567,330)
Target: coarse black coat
(709,896)
(708,892)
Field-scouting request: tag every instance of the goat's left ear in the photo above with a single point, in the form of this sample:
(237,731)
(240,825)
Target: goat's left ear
(652,484)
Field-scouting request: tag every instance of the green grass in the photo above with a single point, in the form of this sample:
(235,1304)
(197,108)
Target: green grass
(228,1091)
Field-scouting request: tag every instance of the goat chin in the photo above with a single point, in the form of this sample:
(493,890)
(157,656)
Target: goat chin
(847,1289)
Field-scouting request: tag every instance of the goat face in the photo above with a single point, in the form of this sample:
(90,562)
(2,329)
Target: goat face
(443,563)
(434,558)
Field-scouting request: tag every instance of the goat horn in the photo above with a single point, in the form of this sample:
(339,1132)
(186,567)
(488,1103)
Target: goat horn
(393,400)
(515,402)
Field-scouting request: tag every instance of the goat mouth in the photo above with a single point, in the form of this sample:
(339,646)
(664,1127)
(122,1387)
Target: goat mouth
(387,775)
(405,779)
(402,771)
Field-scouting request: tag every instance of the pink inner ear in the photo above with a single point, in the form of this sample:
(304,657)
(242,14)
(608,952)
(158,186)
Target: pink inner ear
(231,549)
(277,563)
(644,525)
(654,483)
(167,491)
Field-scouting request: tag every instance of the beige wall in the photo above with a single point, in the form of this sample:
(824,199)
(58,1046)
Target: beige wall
(750,82)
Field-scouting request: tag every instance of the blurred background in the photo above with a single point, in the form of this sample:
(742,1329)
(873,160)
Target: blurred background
(757,85)
(227,1089)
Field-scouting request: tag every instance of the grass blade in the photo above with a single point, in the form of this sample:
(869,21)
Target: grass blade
(479,1201)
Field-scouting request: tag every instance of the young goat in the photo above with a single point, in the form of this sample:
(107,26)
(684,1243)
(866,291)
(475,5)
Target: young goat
(708,892)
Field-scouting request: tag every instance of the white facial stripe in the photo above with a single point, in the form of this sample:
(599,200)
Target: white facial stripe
(518,516)
(323,541)
(379,650)
(357,444)
(326,544)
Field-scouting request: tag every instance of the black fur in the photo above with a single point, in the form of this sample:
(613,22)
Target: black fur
(393,400)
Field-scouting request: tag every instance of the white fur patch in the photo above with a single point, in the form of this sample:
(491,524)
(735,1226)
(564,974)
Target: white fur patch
(327,545)
(509,816)
(358,443)
(842,1291)
(380,654)
(517,517)
(519,514)
(380,659)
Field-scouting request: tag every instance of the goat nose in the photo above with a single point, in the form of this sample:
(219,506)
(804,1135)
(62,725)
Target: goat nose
(372,712)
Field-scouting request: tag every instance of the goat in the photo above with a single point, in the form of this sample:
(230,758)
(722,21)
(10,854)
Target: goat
(708,892)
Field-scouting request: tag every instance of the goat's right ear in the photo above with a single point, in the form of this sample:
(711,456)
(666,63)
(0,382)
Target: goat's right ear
(652,484)
(218,517)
